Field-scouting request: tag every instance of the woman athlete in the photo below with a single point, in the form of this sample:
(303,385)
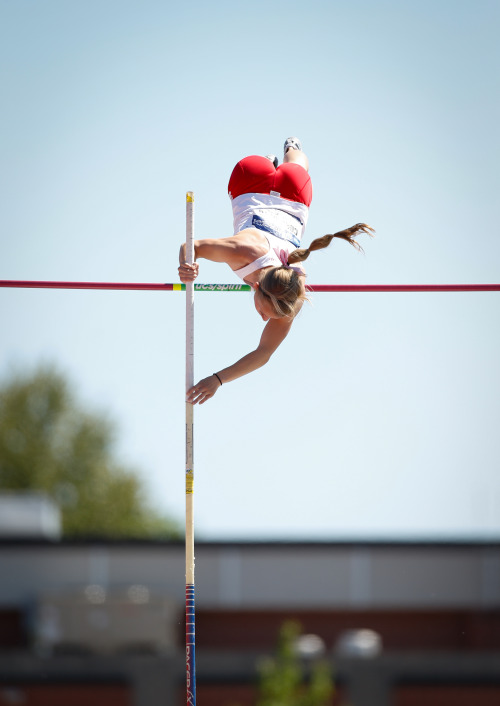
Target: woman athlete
(270,209)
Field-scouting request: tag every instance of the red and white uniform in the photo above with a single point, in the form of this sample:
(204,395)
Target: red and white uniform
(274,200)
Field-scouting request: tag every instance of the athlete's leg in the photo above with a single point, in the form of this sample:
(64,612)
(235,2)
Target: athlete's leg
(292,152)
(292,177)
(297,157)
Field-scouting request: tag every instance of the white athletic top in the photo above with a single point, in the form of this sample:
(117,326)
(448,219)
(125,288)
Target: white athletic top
(276,256)
(269,212)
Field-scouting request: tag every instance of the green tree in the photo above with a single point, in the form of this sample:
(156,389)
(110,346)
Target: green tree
(48,442)
(283,679)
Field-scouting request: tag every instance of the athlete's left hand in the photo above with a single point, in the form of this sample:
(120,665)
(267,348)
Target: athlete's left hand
(203,391)
(188,273)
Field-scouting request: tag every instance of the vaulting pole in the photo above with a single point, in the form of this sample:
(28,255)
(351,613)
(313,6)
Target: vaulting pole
(190,603)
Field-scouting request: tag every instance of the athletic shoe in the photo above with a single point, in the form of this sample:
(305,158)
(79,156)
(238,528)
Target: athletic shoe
(273,159)
(292,143)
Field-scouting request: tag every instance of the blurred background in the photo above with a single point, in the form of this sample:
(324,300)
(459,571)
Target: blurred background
(347,495)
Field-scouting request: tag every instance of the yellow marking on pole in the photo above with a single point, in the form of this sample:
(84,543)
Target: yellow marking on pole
(190,197)
(177,287)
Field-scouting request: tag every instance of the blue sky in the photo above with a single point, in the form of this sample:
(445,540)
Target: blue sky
(378,417)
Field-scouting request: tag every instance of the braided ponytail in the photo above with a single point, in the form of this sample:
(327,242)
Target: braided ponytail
(348,234)
(284,289)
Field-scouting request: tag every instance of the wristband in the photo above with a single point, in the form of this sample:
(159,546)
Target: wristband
(218,378)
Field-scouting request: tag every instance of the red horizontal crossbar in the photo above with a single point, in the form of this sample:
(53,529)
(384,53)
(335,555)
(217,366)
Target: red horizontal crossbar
(405,287)
(41,284)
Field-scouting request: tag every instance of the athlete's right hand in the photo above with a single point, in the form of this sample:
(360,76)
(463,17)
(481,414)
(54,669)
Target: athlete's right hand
(203,391)
(188,273)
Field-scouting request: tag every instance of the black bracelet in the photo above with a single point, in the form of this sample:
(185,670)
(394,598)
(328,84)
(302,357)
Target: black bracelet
(218,378)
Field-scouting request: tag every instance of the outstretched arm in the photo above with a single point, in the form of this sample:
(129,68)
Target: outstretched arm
(226,250)
(275,331)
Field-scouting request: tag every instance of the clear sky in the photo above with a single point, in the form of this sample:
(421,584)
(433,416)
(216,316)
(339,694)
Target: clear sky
(379,415)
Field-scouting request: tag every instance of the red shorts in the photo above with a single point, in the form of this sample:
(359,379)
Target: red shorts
(257,175)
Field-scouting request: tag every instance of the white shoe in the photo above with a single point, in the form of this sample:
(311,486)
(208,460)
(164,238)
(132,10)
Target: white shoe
(292,143)
(272,158)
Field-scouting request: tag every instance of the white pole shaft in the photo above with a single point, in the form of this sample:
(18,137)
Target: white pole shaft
(190,590)
(189,384)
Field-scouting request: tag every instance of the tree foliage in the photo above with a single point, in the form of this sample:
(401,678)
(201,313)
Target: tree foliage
(48,442)
(283,679)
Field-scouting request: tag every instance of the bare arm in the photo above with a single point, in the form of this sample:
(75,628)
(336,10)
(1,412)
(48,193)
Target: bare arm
(228,250)
(275,332)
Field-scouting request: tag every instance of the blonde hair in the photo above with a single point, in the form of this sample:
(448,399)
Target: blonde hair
(284,288)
